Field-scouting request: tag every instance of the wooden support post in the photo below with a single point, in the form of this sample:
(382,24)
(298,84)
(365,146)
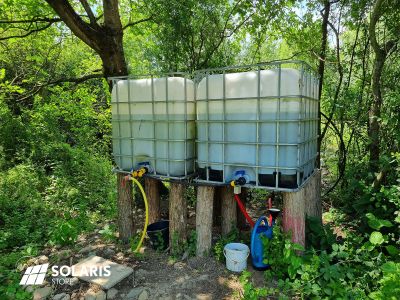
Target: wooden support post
(297,205)
(126,226)
(228,210)
(312,196)
(177,213)
(151,186)
(241,220)
(204,219)
(294,215)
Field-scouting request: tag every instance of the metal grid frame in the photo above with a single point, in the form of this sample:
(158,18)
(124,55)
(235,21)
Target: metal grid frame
(302,120)
(185,121)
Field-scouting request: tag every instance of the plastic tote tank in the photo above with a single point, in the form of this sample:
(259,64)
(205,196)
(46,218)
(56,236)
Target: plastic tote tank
(263,122)
(153,120)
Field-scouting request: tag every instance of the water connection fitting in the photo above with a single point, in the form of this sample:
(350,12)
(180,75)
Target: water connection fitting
(237,184)
(139,173)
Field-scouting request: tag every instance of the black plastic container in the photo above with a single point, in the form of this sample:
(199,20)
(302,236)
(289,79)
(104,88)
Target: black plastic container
(158,233)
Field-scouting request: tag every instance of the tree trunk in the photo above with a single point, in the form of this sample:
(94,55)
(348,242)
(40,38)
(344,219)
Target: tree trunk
(321,70)
(125,208)
(375,114)
(228,210)
(105,39)
(177,214)
(381,53)
(204,219)
(153,196)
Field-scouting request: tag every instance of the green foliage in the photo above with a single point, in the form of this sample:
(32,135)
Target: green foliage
(10,288)
(65,232)
(191,245)
(389,283)
(10,277)
(55,179)
(190,196)
(134,242)
(249,291)
(108,232)
(280,254)
(159,243)
(218,248)
(188,247)
(319,236)
(347,272)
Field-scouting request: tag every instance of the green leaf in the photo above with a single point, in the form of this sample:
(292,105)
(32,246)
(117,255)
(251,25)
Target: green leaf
(393,251)
(298,247)
(376,223)
(390,267)
(376,238)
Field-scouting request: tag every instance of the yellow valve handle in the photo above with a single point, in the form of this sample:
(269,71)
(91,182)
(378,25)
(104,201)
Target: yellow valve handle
(233,183)
(147,213)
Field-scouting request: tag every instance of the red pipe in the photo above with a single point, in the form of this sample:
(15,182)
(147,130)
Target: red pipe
(270,216)
(243,210)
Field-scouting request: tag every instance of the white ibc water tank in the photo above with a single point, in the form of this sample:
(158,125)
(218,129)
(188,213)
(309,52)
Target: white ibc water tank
(154,121)
(281,143)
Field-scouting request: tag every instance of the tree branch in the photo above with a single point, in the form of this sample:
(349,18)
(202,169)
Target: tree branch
(342,145)
(321,69)
(75,80)
(130,24)
(34,20)
(223,36)
(89,12)
(80,28)
(28,33)
(376,14)
(338,87)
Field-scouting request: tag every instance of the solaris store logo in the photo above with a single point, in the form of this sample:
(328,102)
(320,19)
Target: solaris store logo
(34,275)
(60,274)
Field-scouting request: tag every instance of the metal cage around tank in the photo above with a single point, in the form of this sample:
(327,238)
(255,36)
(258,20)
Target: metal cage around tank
(225,134)
(153,121)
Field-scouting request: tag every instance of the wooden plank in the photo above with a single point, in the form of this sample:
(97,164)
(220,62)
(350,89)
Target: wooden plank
(177,213)
(125,222)
(228,210)
(151,186)
(204,219)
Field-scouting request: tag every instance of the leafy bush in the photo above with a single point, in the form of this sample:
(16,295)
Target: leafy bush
(55,179)
(249,291)
(319,236)
(188,247)
(355,269)
(23,213)
(218,249)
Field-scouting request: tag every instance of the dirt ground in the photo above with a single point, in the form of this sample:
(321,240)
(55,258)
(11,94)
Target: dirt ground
(156,275)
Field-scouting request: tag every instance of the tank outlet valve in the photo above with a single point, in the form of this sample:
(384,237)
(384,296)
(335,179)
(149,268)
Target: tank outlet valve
(240,178)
